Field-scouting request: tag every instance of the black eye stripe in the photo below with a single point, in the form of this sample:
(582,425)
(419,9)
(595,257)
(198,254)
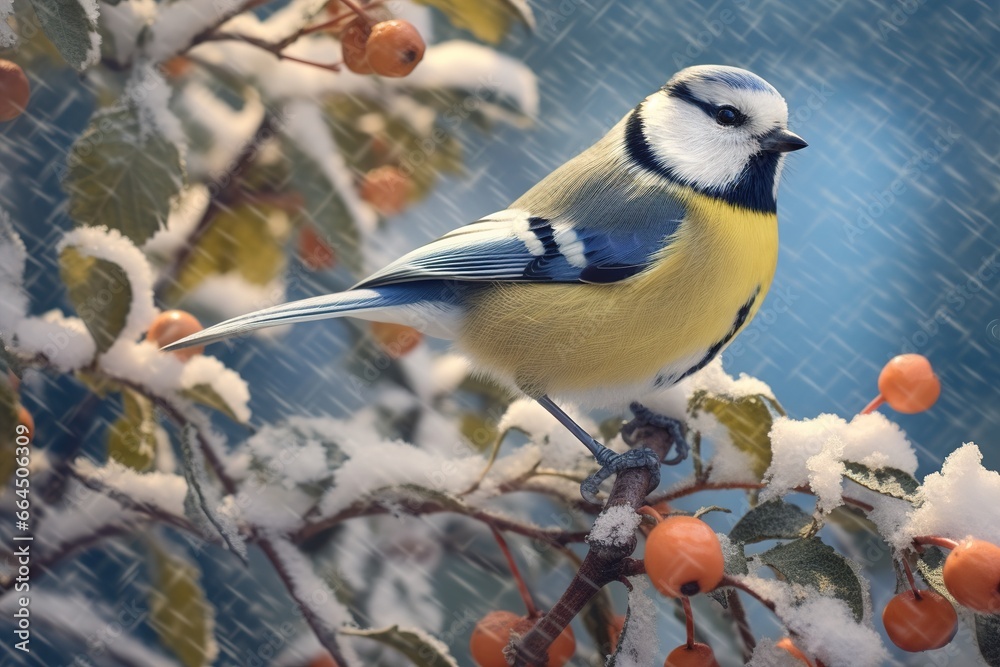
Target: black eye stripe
(682,92)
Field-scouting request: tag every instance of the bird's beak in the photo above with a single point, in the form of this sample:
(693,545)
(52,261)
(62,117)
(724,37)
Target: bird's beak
(780,140)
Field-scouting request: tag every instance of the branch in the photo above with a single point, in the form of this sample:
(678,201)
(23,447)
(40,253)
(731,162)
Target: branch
(698,486)
(604,563)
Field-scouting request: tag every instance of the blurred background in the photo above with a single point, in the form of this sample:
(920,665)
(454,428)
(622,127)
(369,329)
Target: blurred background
(888,220)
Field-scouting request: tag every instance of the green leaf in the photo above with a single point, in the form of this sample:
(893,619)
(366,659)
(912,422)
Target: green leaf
(809,562)
(422,649)
(132,437)
(988,638)
(324,207)
(748,420)
(179,612)
(100,293)
(122,174)
(74,33)
(205,395)
(488,20)
(887,481)
(773,520)
(931,568)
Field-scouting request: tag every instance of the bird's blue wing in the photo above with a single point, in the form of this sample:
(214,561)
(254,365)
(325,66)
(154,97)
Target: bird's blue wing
(514,246)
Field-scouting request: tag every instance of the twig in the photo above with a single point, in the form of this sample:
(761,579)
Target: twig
(522,587)
(739,616)
(736,583)
(604,563)
(698,486)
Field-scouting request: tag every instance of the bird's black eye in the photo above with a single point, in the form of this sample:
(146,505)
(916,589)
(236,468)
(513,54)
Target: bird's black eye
(727,116)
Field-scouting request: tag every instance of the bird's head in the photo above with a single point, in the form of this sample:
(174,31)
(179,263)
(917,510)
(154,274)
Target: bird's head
(720,130)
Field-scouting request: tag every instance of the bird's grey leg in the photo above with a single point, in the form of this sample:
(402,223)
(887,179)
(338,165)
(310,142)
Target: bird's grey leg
(611,462)
(673,426)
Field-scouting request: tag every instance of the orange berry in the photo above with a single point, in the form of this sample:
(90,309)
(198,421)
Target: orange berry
(920,624)
(699,655)
(492,634)
(24,418)
(176,67)
(789,645)
(387,189)
(314,251)
(396,340)
(14,90)
(395,47)
(172,325)
(972,575)
(908,383)
(615,628)
(323,660)
(353,45)
(684,557)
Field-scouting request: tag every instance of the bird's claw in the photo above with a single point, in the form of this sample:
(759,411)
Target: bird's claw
(613,463)
(673,426)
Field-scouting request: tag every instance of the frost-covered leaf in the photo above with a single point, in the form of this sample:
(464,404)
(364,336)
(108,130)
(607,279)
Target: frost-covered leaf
(489,20)
(72,27)
(8,38)
(8,423)
(638,643)
(100,292)
(988,638)
(122,173)
(132,437)
(735,564)
(179,612)
(931,568)
(204,496)
(887,481)
(207,396)
(748,420)
(809,562)
(773,520)
(422,649)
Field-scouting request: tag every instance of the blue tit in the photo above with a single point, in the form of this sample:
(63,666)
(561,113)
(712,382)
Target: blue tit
(626,269)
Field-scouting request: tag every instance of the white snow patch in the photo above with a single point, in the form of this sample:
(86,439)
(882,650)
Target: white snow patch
(229,128)
(812,452)
(149,92)
(641,641)
(176,24)
(123,22)
(715,380)
(559,448)
(164,374)
(111,246)
(164,491)
(8,38)
(615,526)
(961,500)
(447,373)
(64,341)
(185,212)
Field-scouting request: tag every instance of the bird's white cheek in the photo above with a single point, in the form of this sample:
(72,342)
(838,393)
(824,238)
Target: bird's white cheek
(777,176)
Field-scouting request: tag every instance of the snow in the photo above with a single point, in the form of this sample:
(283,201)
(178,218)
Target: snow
(962,499)
(110,245)
(13,256)
(8,38)
(715,380)
(615,526)
(641,641)
(447,373)
(185,212)
(165,491)
(224,516)
(64,341)
(123,22)
(559,448)
(811,453)
(176,24)
(230,294)
(229,128)
(93,56)
(150,93)
(305,125)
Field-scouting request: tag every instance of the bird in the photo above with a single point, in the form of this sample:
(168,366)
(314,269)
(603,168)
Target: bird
(627,269)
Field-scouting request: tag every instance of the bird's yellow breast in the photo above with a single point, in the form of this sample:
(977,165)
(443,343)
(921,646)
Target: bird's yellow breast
(573,338)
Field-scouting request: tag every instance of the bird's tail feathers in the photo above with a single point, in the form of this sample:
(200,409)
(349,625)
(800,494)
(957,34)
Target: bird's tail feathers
(364,302)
